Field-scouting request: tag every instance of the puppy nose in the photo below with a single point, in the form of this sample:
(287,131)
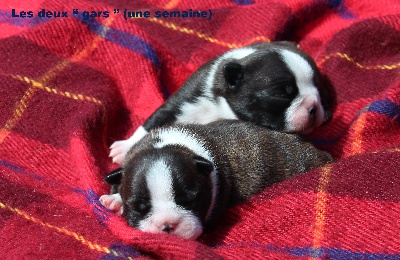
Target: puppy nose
(313,112)
(168,228)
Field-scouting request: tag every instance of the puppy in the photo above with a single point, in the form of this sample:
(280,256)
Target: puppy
(275,85)
(179,179)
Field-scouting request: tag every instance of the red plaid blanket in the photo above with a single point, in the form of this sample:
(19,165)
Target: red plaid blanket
(70,86)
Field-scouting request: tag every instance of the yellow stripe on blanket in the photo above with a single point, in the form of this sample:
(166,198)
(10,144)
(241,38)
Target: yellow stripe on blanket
(39,85)
(205,36)
(350,59)
(19,110)
(172,4)
(320,208)
(80,238)
(50,74)
(357,135)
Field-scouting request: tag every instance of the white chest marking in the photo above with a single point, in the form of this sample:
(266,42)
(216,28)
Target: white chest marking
(205,110)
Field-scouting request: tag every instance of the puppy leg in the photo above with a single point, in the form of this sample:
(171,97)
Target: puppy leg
(112,202)
(120,148)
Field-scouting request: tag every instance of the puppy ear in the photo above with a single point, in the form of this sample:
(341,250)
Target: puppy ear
(203,165)
(233,73)
(114,177)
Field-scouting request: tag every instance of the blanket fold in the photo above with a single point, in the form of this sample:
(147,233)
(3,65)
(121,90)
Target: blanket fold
(71,86)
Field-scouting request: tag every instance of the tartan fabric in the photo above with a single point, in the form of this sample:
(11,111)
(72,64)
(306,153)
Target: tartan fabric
(69,87)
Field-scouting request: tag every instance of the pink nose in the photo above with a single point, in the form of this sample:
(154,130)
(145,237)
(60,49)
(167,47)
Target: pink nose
(311,105)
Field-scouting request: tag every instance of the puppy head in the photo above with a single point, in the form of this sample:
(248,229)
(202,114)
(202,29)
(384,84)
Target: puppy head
(164,191)
(277,86)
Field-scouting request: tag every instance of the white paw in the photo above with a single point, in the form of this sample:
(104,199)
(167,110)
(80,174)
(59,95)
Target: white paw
(112,202)
(119,149)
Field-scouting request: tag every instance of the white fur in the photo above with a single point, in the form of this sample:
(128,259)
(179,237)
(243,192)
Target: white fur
(208,109)
(120,148)
(297,115)
(300,68)
(159,181)
(164,209)
(205,110)
(177,136)
(174,136)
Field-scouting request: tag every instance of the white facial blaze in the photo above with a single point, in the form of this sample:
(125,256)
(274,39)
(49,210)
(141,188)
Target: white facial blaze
(298,114)
(164,209)
(159,182)
(174,136)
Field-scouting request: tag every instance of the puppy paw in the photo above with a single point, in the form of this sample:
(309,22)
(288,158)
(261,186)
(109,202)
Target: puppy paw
(112,202)
(119,150)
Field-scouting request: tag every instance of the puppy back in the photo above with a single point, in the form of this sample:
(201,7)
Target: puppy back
(252,157)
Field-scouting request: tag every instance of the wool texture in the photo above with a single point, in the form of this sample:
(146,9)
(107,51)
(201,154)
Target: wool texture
(71,86)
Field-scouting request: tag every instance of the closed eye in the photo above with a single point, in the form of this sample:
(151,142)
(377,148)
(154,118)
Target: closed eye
(185,203)
(287,91)
(142,206)
(283,88)
(186,200)
(281,96)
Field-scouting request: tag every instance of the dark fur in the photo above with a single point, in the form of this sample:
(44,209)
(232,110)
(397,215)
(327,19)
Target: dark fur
(247,157)
(258,88)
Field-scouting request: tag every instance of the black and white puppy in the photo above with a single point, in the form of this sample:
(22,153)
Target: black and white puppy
(179,179)
(275,85)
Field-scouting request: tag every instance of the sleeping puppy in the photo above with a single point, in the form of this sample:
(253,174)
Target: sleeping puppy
(275,85)
(179,179)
